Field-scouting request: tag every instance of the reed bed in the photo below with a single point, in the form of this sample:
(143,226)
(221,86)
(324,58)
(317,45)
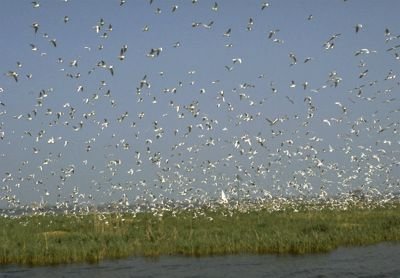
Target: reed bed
(59,239)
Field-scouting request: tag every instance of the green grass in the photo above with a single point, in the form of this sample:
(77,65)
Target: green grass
(56,239)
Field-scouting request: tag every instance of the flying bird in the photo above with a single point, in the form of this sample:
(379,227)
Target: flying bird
(13,74)
(35,27)
(358,27)
(122,52)
(264,5)
(250,24)
(272,33)
(272,122)
(308,59)
(228,33)
(293,57)
(362,74)
(53,42)
(154,52)
(237,60)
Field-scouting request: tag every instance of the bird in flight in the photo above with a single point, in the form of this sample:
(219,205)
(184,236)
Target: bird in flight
(13,74)
(35,27)
(358,27)
(154,52)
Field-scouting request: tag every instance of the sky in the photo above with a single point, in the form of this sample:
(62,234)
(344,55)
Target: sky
(110,101)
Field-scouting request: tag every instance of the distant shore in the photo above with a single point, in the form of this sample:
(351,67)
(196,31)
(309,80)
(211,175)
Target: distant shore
(72,238)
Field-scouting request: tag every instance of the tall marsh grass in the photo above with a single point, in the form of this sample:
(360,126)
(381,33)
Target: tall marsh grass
(56,239)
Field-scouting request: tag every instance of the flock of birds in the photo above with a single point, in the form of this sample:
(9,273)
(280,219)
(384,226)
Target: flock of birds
(171,140)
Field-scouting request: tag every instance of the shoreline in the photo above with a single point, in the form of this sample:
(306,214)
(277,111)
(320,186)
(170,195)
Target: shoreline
(379,260)
(90,238)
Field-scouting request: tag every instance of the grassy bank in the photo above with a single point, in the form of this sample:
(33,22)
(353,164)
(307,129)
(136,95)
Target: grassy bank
(54,239)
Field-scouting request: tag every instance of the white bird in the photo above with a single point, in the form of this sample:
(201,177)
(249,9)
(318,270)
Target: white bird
(272,122)
(272,33)
(237,60)
(154,52)
(208,25)
(264,5)
(364,51)
(228,33)
(53,42)
(33,47)
(293,57)
(362,74)
(35,4)
(79,89)
(13,74)
(111,69)
(122,52)
(224,199)
(308,59)
(358,27)
(250,24)
(35,26)
(146,28)
(327,122)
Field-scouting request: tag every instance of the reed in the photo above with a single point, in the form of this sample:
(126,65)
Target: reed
(59,239)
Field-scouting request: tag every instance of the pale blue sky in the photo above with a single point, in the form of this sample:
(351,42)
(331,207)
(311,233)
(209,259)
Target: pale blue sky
(354,152)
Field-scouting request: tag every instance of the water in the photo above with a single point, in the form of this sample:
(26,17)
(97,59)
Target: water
(380,260)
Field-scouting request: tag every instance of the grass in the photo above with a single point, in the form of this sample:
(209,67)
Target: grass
(59,239)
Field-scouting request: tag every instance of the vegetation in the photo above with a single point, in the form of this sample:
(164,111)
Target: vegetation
(55,239)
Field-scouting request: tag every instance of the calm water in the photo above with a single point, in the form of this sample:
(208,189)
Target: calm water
(381,260)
